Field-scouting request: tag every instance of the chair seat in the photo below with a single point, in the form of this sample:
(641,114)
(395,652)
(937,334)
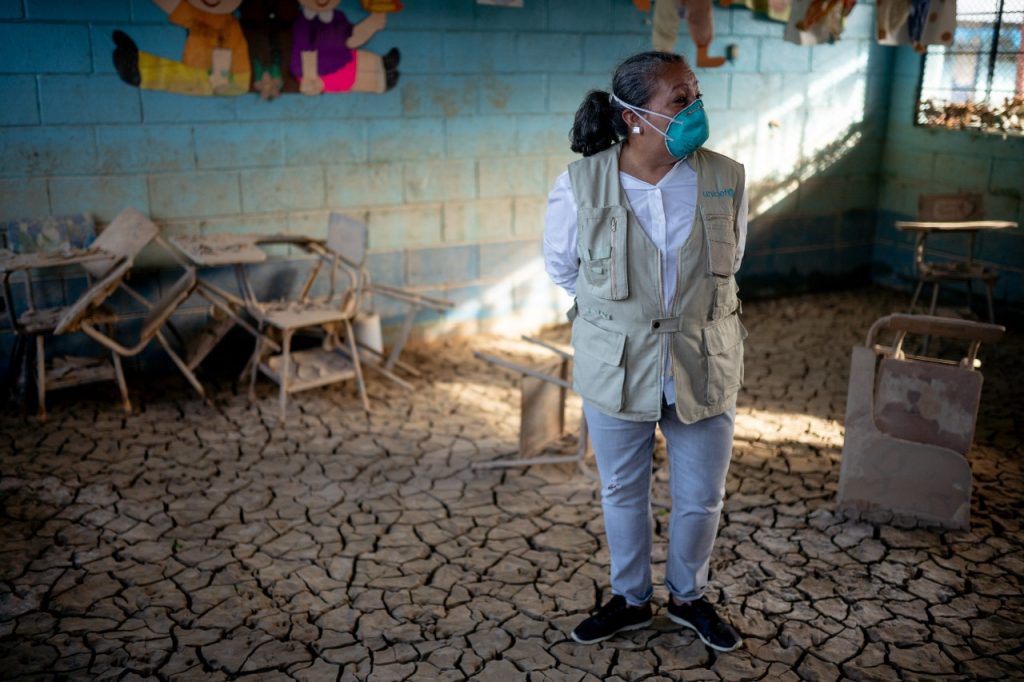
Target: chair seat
(45,320)
(956,271)
(310,369)
(296,315)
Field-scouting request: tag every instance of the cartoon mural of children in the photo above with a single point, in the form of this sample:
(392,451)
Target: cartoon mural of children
(216,56)
(325,57)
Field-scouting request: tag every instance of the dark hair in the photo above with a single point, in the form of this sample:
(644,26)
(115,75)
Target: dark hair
(598,123)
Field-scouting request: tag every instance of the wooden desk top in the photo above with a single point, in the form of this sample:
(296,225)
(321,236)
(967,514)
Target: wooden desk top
(946,226)
(12,262)
(221,248)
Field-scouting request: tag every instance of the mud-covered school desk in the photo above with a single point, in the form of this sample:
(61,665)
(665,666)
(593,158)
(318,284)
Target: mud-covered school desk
(966,271)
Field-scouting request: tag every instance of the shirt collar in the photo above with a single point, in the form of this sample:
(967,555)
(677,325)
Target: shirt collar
(325,16)
(630,182)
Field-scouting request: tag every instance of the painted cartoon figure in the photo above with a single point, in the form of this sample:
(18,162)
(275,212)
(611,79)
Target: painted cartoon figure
(216,56)
(325,54)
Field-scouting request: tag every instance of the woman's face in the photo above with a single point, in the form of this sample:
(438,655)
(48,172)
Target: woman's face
(675,89)
(319,5)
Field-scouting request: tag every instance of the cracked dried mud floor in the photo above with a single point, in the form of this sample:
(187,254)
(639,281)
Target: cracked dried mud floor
(195,542)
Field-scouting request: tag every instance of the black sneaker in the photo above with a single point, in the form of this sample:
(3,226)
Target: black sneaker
(615,616)
(700,616)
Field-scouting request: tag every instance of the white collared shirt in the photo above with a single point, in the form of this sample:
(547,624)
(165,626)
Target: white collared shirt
(665,211)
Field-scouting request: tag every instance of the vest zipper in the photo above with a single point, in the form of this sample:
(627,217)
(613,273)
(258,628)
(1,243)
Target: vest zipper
(661,337)
(611,264)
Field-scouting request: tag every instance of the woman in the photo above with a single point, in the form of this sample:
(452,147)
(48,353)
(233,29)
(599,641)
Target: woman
(647,231)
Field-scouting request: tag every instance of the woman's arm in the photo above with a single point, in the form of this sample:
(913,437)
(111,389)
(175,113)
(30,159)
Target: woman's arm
(560,258)
(741,229)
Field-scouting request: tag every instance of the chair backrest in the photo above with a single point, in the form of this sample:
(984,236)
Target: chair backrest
(347,237)
(124,237)
(950,207)
(929,403)
(52,233)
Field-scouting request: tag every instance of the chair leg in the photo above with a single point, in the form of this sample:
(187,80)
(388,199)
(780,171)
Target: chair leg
(121,383)
(356,364)
(935,298)
(254,365)
(989,287)
(917,294)
(181,365)
(286,361)
(41,377)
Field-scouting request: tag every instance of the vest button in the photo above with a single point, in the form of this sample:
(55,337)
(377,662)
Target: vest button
(656,324)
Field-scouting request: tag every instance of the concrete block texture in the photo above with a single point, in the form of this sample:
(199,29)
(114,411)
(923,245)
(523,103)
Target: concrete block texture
(105,196)
(404,227)
(360,184)
(36,48)
(40,151)
(23,198)
(194,194)
(163,147)
(439,180)
(474,221)
(21,101)
(443,265)
(239,145)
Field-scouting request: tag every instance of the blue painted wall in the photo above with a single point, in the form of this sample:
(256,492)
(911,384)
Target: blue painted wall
(451,169)
(929,161)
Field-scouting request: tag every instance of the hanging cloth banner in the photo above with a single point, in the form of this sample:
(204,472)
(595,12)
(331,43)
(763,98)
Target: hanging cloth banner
(814,22)
(776,10)
(916,22)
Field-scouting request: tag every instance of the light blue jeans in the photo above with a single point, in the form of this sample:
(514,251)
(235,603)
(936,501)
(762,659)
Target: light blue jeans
(698,456)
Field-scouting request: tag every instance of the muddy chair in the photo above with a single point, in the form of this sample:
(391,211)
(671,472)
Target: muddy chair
(87,316)
(106,262)
(910,422)
(330,315)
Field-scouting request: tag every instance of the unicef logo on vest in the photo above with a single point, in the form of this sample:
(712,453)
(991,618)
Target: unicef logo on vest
(728,192)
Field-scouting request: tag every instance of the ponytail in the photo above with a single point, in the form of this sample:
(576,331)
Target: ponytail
(594,129)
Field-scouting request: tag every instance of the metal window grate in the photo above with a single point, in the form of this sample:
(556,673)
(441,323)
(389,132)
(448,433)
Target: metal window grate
(978,80)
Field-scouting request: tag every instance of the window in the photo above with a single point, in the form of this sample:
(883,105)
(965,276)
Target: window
(977,81)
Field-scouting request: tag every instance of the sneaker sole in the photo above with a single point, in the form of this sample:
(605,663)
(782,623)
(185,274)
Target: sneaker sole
(687,624)
(635,626)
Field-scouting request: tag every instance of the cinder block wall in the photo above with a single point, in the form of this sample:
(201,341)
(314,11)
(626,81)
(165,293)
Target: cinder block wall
(926,161)
(450,169)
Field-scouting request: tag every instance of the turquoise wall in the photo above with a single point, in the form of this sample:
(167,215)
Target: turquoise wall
(928,161)
(450,169)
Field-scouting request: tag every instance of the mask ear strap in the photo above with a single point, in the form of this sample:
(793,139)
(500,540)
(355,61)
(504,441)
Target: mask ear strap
(637,110)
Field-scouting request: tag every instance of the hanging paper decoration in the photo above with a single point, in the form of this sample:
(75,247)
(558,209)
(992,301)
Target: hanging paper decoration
(776,10)
(813,22)
(916,22)
(325,55)
(665,27)
(215,60)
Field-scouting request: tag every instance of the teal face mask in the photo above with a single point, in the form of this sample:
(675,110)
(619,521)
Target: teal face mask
(686,131)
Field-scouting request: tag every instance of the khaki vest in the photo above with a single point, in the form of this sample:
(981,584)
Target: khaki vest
(620,328)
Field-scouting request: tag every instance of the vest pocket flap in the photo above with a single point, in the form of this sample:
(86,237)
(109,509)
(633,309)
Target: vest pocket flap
(721,226)
(600,252)
(723,335)
(601,344)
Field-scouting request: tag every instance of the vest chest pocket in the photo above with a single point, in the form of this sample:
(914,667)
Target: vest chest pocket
(723,353)
(720,230)
(602,251)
